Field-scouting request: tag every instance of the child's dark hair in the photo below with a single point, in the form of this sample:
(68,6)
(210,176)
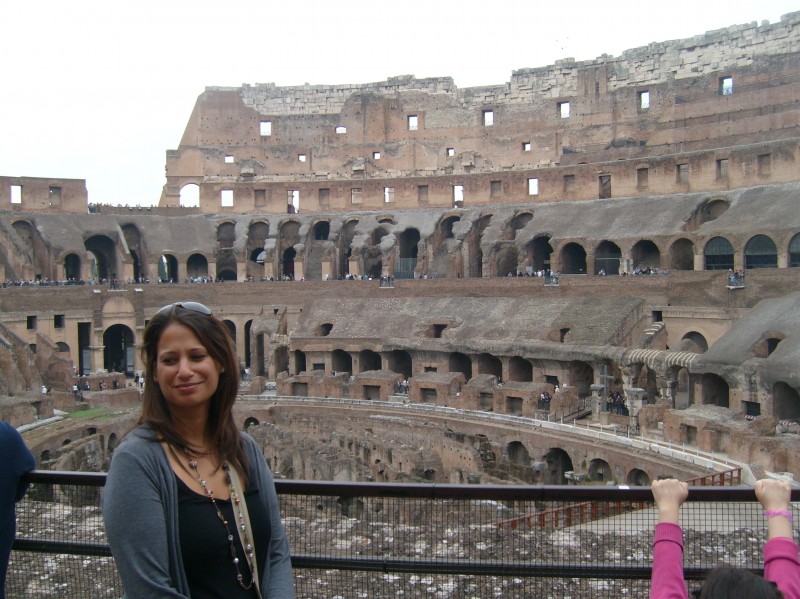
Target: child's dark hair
(735,583)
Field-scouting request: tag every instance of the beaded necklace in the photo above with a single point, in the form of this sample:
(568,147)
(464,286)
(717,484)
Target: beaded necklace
(235,500)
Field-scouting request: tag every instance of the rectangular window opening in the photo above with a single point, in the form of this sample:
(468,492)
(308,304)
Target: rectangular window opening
(451,151)
(642,178)
(533,187)
(16,194)
(422,194)
(388,195)
(355,195)
(726,85)
(293,201)
(260,198)
(488,118)
(526,146)
(764,165)
(324,197)
(605,187)
(340,130)
(644,100)
(266,128)
(722,169)
(682,173)
(31,323)
(569,183)
(301,157)
(495,188)
(226,197)
(563,110)
(413,122)
(58,321)
(376,155)
(228,159)
(458,196)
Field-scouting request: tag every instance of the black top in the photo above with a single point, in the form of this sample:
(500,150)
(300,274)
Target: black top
(205,548)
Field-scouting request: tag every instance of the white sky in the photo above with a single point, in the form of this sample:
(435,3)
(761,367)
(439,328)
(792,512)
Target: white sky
(101,89)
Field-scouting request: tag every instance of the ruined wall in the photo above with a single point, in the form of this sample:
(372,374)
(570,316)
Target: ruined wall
(39,194)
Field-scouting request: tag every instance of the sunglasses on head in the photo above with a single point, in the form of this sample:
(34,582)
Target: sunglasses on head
(191,306)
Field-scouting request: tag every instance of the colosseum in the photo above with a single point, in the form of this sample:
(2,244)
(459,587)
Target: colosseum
(610,244)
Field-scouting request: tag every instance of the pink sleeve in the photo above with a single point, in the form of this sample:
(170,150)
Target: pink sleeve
(782,566)
(667,581)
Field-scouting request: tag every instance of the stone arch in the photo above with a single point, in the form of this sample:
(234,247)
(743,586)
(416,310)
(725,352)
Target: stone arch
(113,441)
(400,362)
(137,250)
(638,478)
(573,259)
(794,251)
(197,267)
(645,254)
(226,235)
(760,252)
(345,240)
(785,402)
(369,360)
(520,370)
(715,390)
(321,230)
(341,361)
(681,254)
(706,211)
(190,195)
(767,344)
(474,249)
(250,421)
(226,266)
(168,268)
(280,358)
(581,376)
(506,259)
(446,226)
(718,254)
(39,253)
(600,471)
(257,235)
(72,267)
(406,264)
(62,347)
(231,329)
(489,364)
(458,362)
(119,349)
(557,463)
(518,454)
(248,326)
(288,238)
(607,256)
(517,223)
(693,342)
(287,262)
(539,252)
(105,252)
(300,364)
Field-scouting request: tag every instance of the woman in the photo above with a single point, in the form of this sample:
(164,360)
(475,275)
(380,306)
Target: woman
(174,519)
(781,563)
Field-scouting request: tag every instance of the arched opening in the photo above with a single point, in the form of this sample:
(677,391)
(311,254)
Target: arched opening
(716,391)
(638,478)
(247,340)
(446,226)
(517,223)
(558,463)
(105,253)
(369,360)
(458,362)
(539,253)
(473,242)
(520,370)
(299,361)
(573,259)
(345,251)
(133,239)
(718,254)
(506,260)
(226,235)
(581,376)
(167,269)
(231,329)
(250,421)
(409,247)
(226,265)
(400,362)
(768,343)
(197,268)
(518,454)
(190,196)
(683,396)
(681,255)
(280,358)
(72,267)
(645,254)
(760,252)
(119,350)
(606,258)
(785,402)
(489,364)
(34,244)
(62,347)
(287,263)
(794,251)
(257,235)
(341,361)
(693,342)
(600,471)
(321,231)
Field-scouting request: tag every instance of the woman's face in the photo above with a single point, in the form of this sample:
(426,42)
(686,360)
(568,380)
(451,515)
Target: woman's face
(185,372)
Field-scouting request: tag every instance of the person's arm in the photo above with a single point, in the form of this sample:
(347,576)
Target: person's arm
(23,461)
(277,580)
(667,580)
(136,524)
(781,563)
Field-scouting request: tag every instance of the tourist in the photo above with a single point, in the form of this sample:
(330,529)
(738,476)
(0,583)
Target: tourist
(175,515)
(781,563)
(16,461)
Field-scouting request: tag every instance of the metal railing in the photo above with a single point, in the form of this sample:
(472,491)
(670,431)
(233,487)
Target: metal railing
(376,540)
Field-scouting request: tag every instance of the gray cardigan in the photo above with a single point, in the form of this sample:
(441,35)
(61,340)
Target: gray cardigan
(140,509)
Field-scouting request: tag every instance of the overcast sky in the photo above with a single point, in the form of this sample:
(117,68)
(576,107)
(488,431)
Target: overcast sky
(101,89)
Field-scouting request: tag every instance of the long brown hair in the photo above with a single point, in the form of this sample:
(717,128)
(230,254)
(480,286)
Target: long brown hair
(215,337)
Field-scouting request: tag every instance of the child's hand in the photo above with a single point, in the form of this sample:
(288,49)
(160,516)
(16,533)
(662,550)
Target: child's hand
(669,495)
(773,494)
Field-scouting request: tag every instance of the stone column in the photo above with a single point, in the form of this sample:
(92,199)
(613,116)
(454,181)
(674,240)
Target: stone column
(634,399)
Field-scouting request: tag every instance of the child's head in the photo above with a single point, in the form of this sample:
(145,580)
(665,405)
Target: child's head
(733,583)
